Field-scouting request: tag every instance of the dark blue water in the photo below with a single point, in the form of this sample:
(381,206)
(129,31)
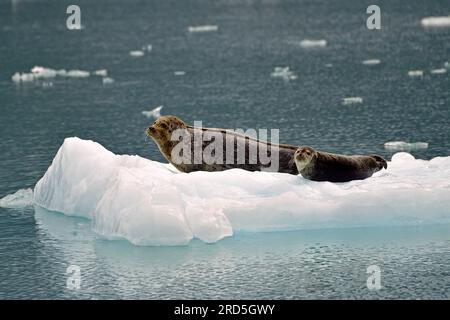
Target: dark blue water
(227,84)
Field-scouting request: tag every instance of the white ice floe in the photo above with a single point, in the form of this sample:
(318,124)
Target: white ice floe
(107,80)
(352,100)
(22,198)
(436,22)
(179,73)
(39,72)
(137,53)
(371,62)
(151,203)
(155,113)
(438,71)
(205,28)
(101,73)
(415,73)
(284,73)
(308,43)
(405,146)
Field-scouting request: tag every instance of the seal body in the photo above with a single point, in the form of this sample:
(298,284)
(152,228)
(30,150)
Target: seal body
(212,149)
(323,166)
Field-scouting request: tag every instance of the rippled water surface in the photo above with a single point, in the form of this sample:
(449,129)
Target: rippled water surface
(227,83)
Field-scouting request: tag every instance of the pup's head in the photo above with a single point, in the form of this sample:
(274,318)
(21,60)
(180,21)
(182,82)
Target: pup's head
(161,130)
(303,156)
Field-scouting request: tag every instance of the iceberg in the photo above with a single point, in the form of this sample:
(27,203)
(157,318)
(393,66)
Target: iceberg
(205,28)
(283,72)
(352,100)
(371,62)
(405,146)
(39,72)
(137,53)
(433,22)
(22,198)
(438,71)
(415,73)
(307,43)
(151,203)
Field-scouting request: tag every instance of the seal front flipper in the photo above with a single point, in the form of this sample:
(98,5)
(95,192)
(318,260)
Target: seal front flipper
(380,161)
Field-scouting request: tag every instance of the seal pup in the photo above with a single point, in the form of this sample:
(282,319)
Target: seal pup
(233,144)
(323,166)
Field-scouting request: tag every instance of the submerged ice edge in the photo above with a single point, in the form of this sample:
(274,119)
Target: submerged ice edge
(150,203)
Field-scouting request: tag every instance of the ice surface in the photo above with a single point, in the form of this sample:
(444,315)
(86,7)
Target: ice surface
(436,22)
(415,73)
(283,72)
(20,199)
(371,62)
(205,28)
(405,146)
(151,203)
(352,100)
(155,113)
(136,53)
(308,43)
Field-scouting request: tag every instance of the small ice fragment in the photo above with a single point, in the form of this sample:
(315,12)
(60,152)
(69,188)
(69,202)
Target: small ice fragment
(439,71)
(405,146)
(101,73)
(434,22)
(47,84)
(205,28)
(371,62)
(352,100)
(22,198)
(136,53)
(415,73)
(307,43)
(179,73)
(107,80)
(329,65)
(283,72)
(155,113)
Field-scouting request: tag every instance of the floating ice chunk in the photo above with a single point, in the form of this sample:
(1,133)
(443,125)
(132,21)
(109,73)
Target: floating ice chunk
(439,71)
(107,80)
(205,28)
(150,203)
(352,100)
(179,73)
(283,72)
(434,22)
(101,73)
(371,62)
(39,72)
(405,146)
(22,198)
(155,113)
(137,53)
(415,73)
(307,43)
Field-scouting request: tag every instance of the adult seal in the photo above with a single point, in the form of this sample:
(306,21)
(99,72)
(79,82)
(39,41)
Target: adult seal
(191,148)
(323,166)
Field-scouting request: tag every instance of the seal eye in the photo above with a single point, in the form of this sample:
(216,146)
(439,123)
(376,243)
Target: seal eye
(163,125)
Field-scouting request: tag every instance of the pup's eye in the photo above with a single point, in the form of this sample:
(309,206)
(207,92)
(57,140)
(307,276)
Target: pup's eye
(163,125)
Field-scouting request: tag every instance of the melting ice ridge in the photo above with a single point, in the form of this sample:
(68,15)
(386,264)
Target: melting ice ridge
(151,203)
